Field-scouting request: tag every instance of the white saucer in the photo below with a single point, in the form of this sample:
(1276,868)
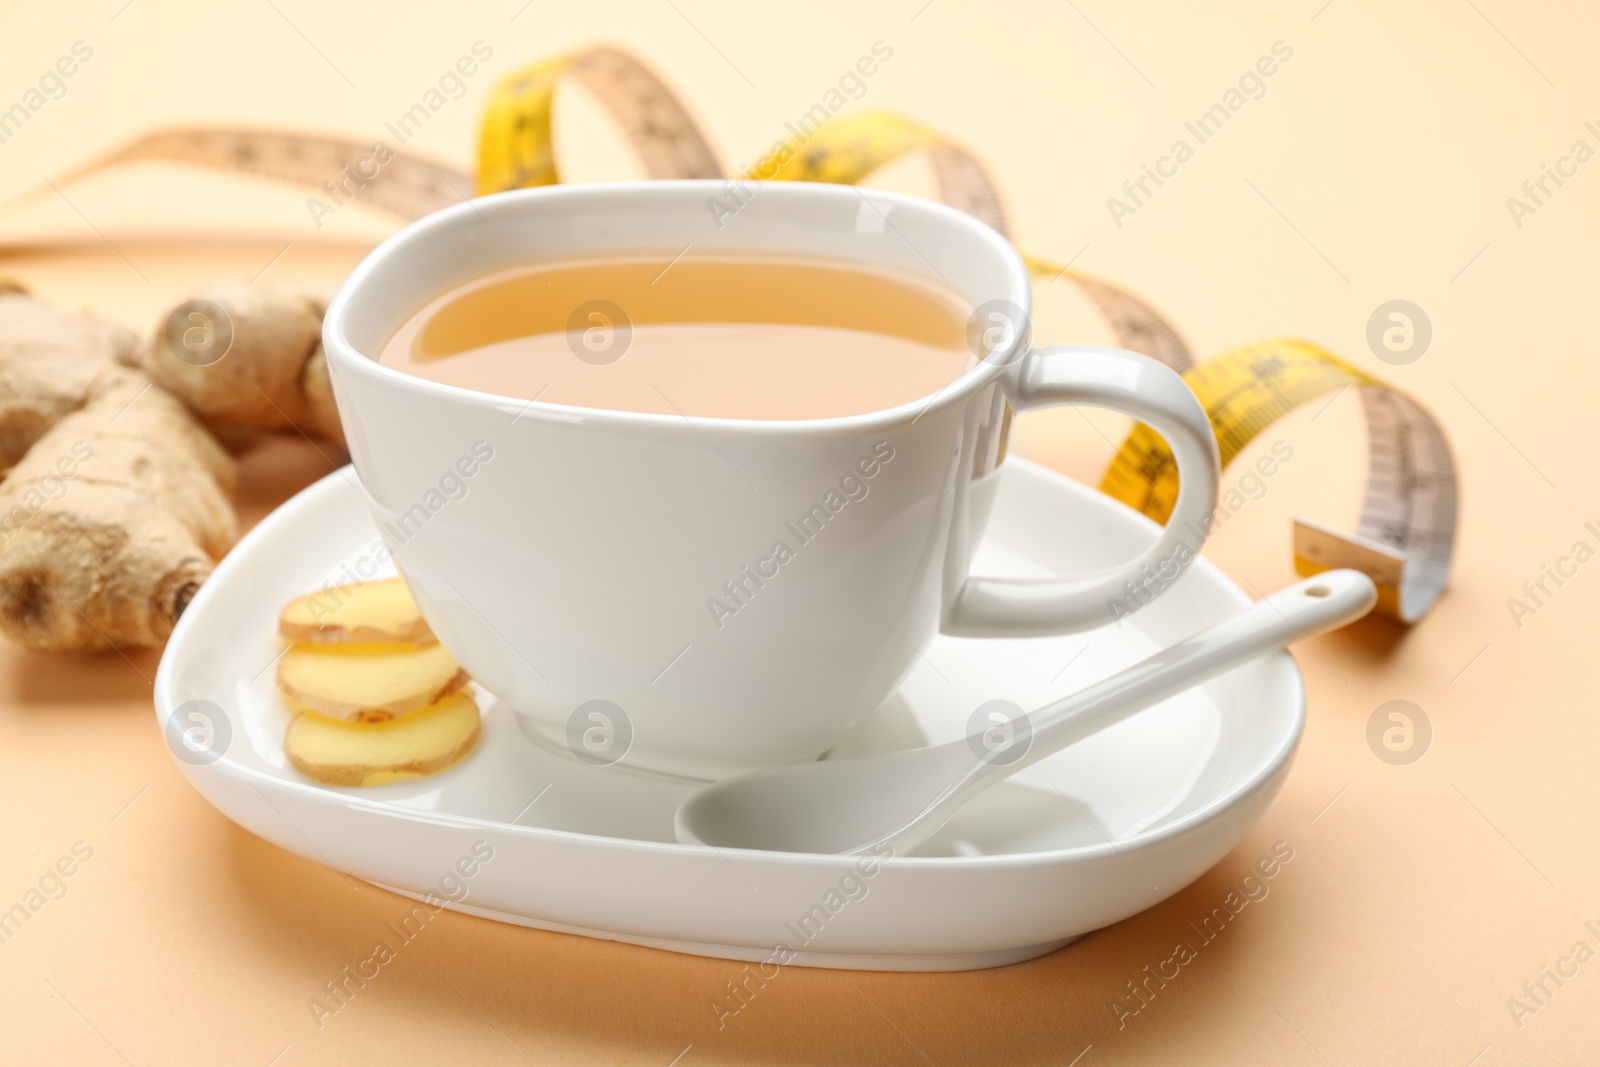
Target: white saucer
(1083,839)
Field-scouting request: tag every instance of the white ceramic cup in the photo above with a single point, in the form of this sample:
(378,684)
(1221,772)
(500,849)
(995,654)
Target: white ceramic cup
(573,559)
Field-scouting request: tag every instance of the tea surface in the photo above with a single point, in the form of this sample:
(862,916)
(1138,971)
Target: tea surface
(749,338)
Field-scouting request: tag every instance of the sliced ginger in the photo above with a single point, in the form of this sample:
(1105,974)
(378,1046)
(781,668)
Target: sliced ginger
(368,682)
(420,744)
(357,613)
(384,698)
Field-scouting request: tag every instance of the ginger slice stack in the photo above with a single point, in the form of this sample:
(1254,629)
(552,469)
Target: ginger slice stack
(377,698)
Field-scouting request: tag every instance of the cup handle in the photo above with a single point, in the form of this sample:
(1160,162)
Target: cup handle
(1152,393)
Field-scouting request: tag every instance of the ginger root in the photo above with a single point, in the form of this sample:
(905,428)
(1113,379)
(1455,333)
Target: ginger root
(248,356)
(50,364)
(114,501)
(344,753)
(114,504)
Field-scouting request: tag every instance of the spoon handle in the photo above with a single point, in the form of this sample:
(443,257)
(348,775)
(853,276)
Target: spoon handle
(1301,611)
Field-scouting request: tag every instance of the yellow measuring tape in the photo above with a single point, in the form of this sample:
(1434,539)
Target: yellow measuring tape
(1406,534)
(1408,518)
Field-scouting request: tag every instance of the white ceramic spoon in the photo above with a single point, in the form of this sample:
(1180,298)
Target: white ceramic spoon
(899,799)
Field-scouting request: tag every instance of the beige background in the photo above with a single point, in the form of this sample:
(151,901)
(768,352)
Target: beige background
(1377,166)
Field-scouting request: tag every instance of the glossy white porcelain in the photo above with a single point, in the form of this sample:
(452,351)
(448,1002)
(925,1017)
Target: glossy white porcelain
(1082,839)
(734,593)
(891,803)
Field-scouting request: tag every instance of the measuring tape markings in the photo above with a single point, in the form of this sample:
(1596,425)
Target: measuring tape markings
(406,185)
(516,147)
(1406,533)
